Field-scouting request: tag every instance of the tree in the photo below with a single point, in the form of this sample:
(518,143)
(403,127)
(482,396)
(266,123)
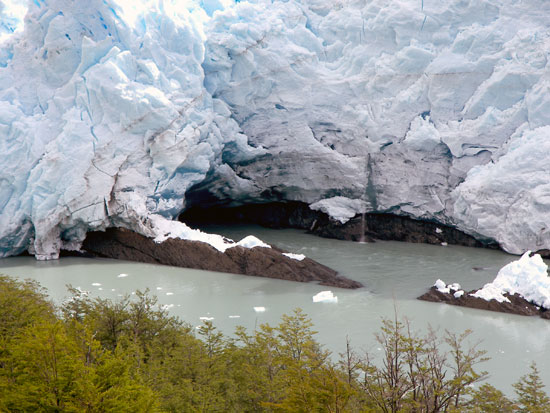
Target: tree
(488,399)
(48,372)
(415,374)
(304,371)
(22,304)
(531,396)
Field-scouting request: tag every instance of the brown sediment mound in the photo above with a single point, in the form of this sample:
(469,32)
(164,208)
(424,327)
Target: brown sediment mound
(517,305)
(262,262)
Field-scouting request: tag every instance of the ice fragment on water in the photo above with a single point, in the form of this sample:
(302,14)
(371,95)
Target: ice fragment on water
(325,297)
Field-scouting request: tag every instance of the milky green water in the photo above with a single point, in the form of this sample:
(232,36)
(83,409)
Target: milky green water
(393,273)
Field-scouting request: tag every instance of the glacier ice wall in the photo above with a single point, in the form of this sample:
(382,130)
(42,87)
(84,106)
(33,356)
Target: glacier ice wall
(436,109)
(432,109)
(102,123)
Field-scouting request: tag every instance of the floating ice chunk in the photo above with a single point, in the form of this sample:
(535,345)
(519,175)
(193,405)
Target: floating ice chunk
(438,230)
(444,244)
(325,297)
(458,293)
(234,316)
(297,257)
(169,293)
(259,309)
(159,288)
(527,277)
(96,284)
(206,318)
(122,275)
(112,289)
(100,289)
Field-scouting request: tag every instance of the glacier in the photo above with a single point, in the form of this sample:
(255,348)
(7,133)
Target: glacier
(111,111)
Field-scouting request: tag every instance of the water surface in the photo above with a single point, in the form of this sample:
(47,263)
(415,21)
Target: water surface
(393,273)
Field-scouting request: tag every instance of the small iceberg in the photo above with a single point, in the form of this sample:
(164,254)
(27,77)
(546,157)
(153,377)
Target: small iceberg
(259,309)
(122,275)
(169,293)
(234,316)
(325,297)
(96,284)
(297,257)
(206,318)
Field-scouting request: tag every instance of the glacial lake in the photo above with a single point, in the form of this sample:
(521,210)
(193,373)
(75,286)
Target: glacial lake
(393,273)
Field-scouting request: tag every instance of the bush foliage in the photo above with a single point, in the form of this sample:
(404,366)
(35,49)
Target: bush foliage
(130,355)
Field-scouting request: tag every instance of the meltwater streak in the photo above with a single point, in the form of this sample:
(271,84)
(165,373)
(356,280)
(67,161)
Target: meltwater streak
(394,273)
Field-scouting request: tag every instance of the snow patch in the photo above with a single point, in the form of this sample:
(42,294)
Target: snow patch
(527,277)
(164,229)
(454,286)
(447,289)
(441,286)
(297,257)
(251,242)
(458,294)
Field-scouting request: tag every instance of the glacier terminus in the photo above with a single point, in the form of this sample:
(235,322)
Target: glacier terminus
(111,111)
